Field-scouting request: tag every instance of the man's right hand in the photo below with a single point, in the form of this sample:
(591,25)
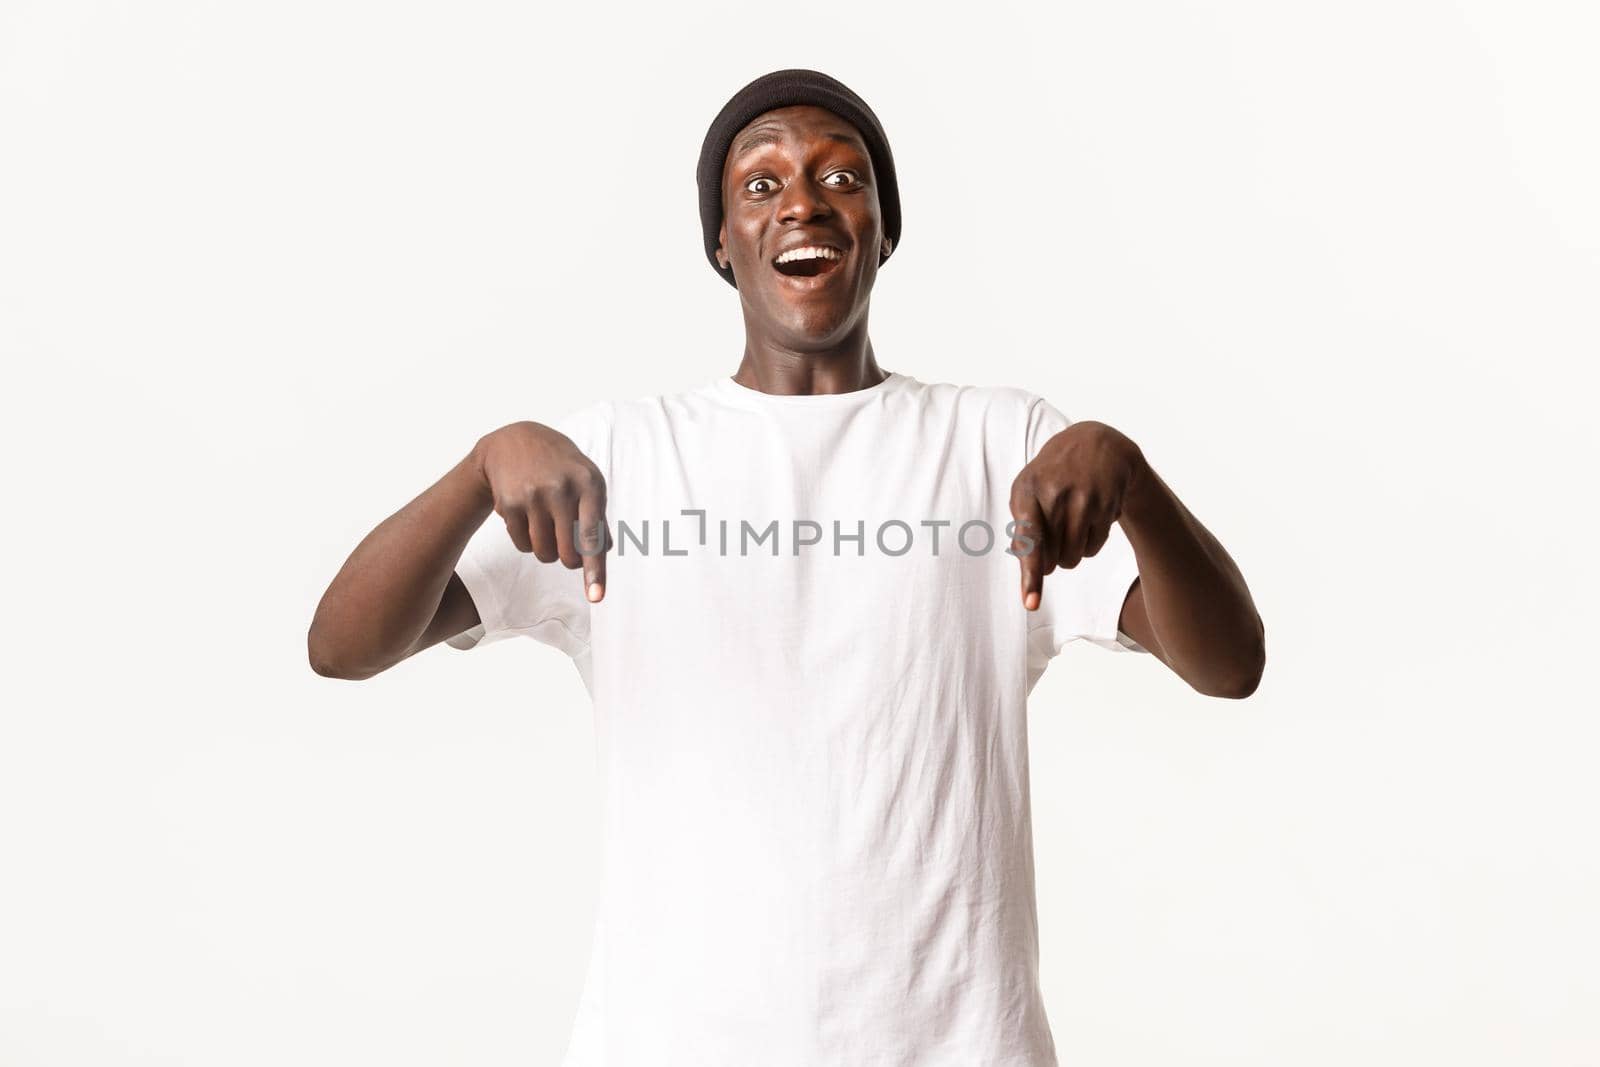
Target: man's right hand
(541,485)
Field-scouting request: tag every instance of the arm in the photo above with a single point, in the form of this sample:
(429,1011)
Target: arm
(398,593)
(1190,607)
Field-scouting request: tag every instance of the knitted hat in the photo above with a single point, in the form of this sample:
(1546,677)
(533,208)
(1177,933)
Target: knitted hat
(786,88)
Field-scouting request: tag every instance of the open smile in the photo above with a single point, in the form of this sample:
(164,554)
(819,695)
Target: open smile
(809,264)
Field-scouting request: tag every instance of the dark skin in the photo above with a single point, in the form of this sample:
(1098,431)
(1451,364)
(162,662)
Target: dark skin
(802,176)
(796,177)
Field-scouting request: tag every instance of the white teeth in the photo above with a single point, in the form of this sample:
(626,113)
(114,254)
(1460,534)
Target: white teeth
(809,252)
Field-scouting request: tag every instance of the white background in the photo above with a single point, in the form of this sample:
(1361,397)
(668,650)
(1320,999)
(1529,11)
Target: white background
(268,270)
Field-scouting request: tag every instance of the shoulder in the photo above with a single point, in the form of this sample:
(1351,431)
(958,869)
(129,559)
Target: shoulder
(988,395)
(651,412)
(1005,405)
(619,414)
(626,424)
(588,425)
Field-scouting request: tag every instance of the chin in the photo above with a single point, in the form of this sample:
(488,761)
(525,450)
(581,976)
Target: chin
(815,325)
(814,317)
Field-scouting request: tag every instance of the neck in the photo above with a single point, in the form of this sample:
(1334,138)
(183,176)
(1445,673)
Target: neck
(783,371)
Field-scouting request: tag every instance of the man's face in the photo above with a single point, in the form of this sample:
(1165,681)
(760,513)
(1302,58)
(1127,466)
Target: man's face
(800,177)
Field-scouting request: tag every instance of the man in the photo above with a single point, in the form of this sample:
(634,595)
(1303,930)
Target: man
(809,640)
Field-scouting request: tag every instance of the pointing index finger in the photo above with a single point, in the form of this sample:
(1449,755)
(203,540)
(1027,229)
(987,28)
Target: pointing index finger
(594,538)
(1029,545)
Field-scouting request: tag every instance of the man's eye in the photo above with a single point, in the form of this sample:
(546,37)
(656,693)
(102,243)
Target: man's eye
(849,176)
(750,186)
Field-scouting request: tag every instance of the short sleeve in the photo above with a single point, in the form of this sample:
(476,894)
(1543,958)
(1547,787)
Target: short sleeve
(516,594)
(1085,602)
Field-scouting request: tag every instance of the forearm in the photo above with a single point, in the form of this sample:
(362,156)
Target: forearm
(1195,598)
(384,596)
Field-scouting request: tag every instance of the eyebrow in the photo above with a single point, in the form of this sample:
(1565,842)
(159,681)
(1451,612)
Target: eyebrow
(760,138)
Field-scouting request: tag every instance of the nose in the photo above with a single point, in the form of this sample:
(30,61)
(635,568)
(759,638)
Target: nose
(801,201)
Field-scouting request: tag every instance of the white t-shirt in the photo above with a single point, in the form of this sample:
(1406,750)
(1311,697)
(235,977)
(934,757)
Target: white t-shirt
(812,737)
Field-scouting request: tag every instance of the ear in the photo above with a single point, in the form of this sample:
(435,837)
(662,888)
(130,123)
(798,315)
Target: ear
(722,246)
(888,246)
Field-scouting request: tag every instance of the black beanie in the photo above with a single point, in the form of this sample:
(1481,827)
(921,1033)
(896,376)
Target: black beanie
(786,88)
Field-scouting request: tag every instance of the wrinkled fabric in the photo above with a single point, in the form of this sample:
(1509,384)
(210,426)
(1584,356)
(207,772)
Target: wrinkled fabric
(814,763)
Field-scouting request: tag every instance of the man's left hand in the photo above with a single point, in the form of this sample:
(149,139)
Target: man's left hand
(1065,501)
